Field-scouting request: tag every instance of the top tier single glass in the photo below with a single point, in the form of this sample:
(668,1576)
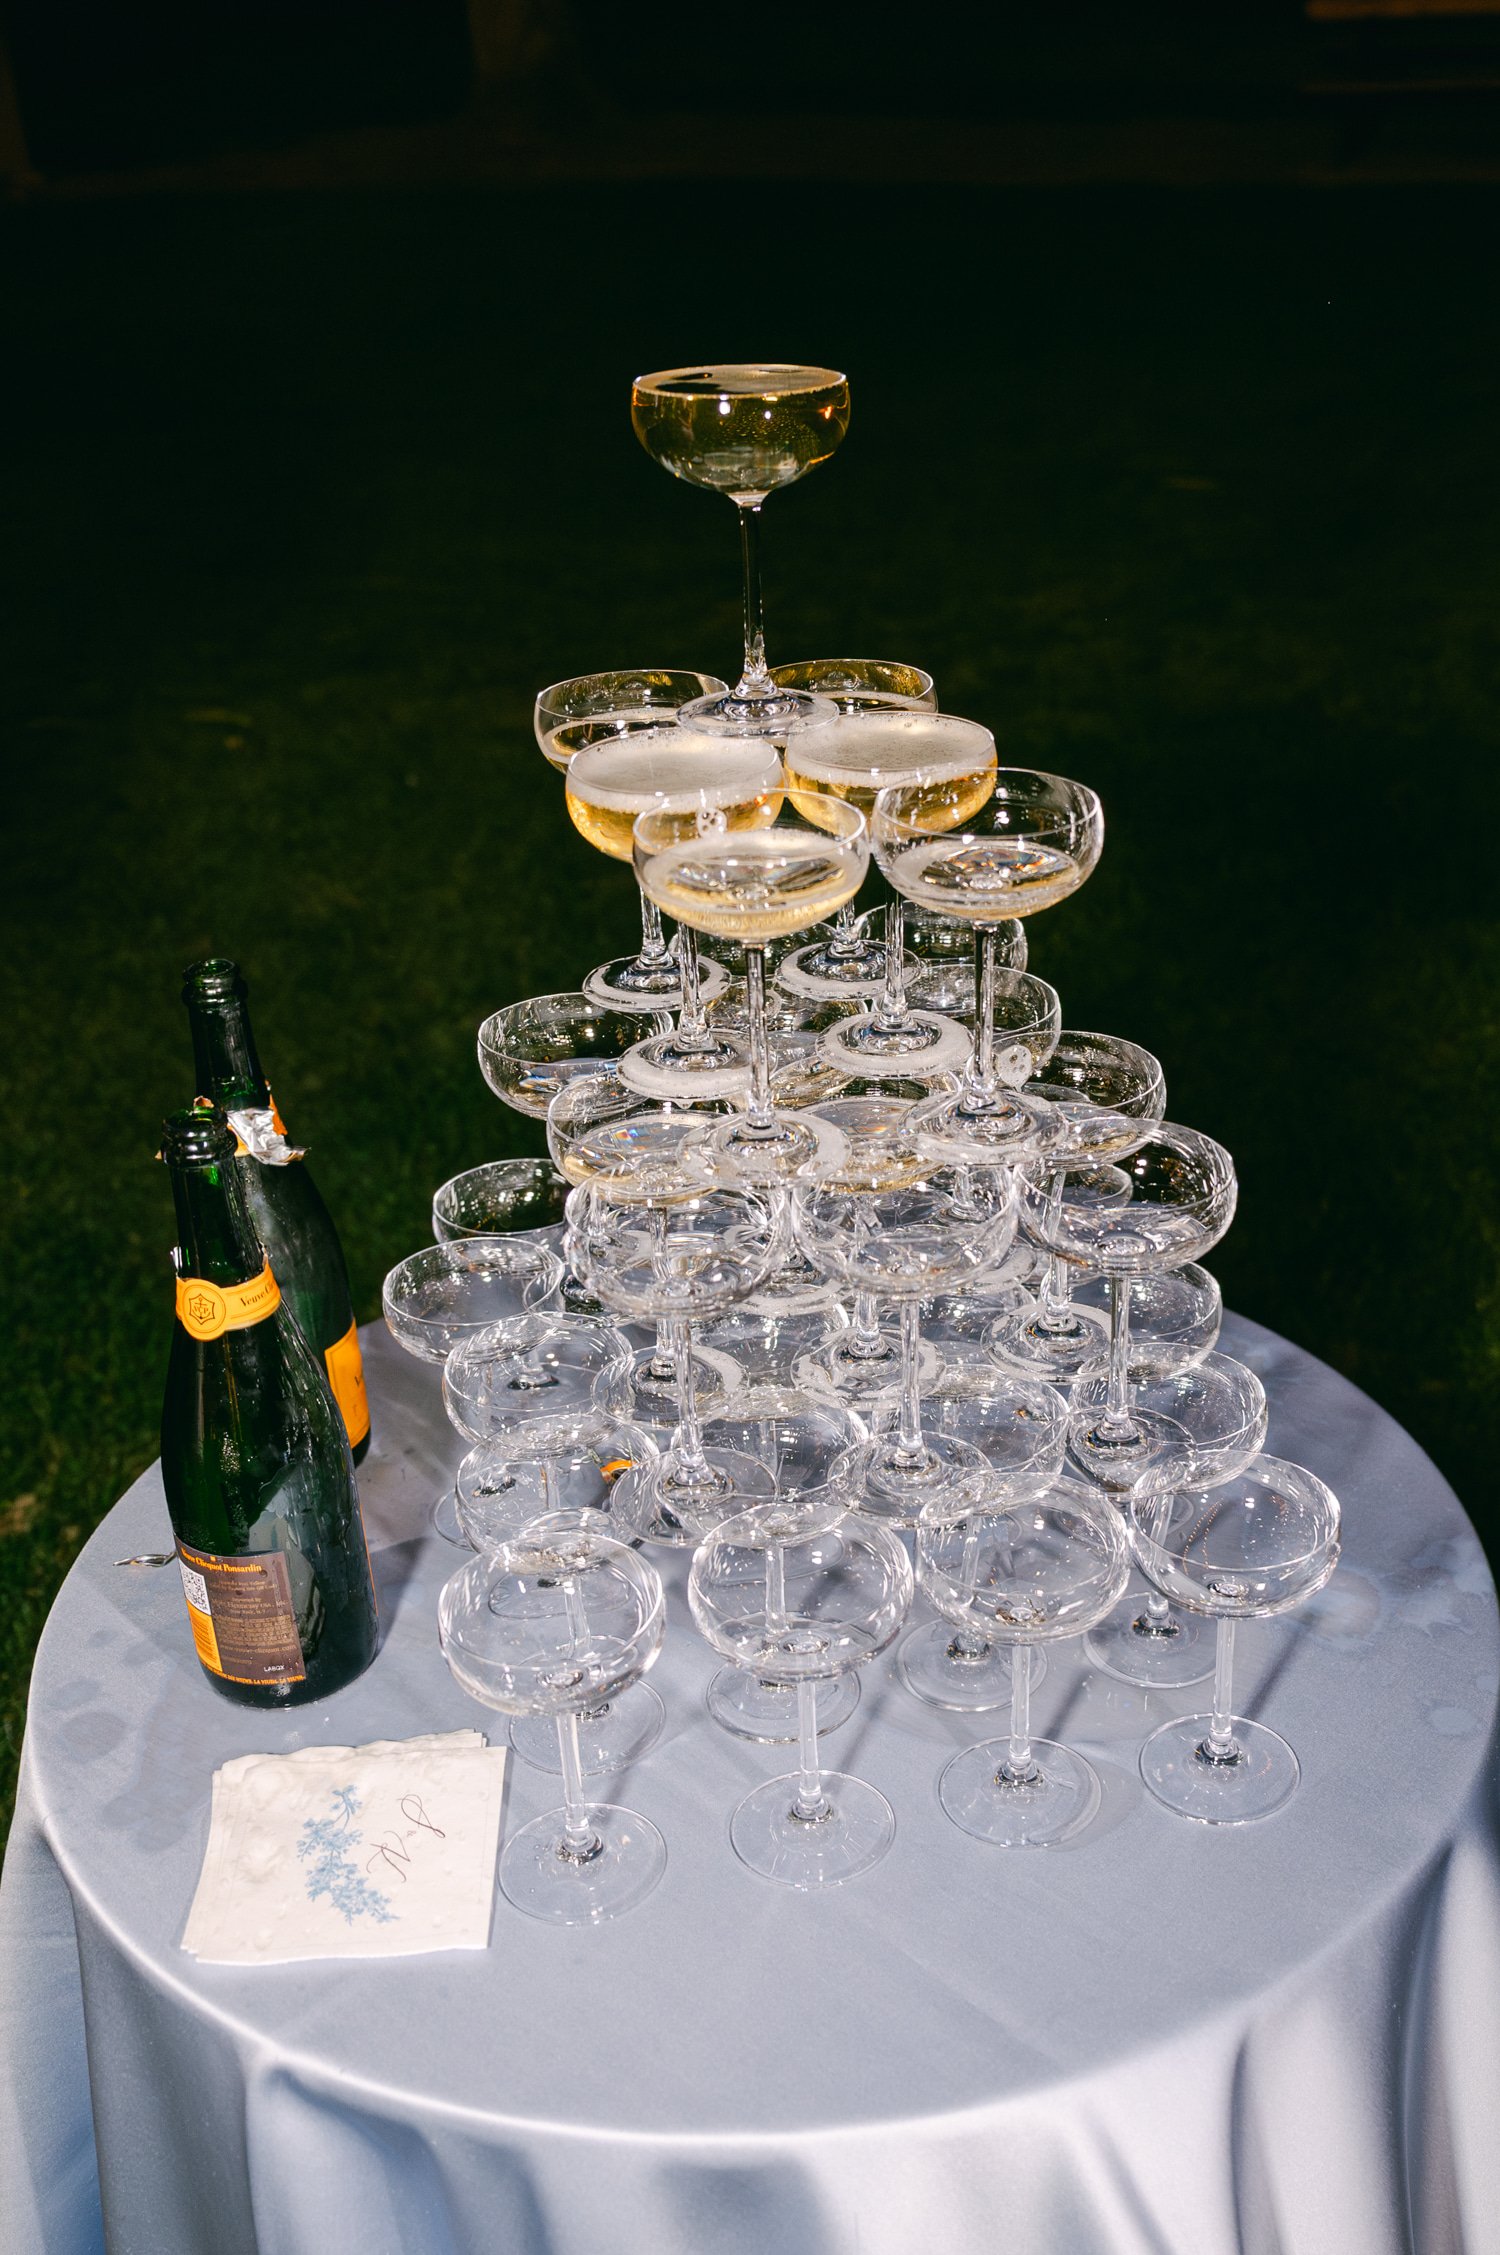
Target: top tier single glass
(741,429)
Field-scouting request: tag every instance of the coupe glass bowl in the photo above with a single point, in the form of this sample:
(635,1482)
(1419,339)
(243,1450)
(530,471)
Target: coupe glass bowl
(505,1198)
(531,1050)
(448,1293)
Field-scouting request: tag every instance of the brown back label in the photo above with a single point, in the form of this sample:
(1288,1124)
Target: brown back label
(244,1624)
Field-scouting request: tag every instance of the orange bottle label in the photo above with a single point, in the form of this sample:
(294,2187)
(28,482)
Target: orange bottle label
(346,1375)
(206,1311)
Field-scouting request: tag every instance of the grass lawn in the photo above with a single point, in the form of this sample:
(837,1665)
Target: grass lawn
(1193,495)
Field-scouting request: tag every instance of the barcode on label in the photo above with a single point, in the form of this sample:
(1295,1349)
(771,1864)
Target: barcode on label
(195,1588)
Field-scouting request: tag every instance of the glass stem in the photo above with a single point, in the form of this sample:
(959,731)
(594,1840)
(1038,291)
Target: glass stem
(967,1643)
(692,1024)
(1019,1766)
(760,1117)
(687,1441)
(579,1840)
(867,1339)
(654,948)
(811,1802)
(1054,1311)
(1117,1400)
(662,1366)
(776,1590)
(846,938)
(909,1429)
(1221,1742)
(982,1082)
(891,1012)
(755,681)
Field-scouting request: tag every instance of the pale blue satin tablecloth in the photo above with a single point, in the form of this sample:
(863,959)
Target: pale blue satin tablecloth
(1161,2040)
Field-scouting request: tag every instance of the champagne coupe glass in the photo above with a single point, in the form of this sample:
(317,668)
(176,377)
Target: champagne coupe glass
(555,1625)
(861,755)
(745,429)
(1101,1086)
(674,1264)
(846,759)
(1256,1545)
(535,1373)
(905,1244)
(607,1136)
(754,886)
(451,1291)
(503,1198)
(1028,1573)
(564,1474)
(862,1361)
(1021,1428)
(944,948)
(530,1050)
(797,1593)
(1034,840)
(605,708)
(861,685)
(1182,1199)
(680,774)
(812,1448)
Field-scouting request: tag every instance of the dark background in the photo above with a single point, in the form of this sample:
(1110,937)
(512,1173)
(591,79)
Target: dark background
(1174,457)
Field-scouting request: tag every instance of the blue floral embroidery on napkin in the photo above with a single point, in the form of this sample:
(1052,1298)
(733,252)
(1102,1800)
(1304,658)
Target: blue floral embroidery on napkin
(324,1846)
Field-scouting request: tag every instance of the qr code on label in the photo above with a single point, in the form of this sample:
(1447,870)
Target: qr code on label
(194,1587)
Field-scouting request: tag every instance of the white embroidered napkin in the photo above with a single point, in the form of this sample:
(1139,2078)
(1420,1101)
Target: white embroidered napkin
(350,1851)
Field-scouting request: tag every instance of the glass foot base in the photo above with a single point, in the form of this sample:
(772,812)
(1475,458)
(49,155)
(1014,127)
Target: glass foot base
(542,1879)
(773,712)
(643,1392)
(854,1832)
(659,1507)
(610,1739)
(826,974)
(935,1668)
(797,1144)
(896,1488)
(963,1129)
(1022,1341)
(840,1369)
(1145,1455)
(631,985)
(1178,1769)
(922,1047)
(1135,1646)
(767,1712)
(1052,1804)
(443,1520)
(662,1067)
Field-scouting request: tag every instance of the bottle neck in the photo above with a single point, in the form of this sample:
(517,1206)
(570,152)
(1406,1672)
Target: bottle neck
(215,1236)
(224,1056)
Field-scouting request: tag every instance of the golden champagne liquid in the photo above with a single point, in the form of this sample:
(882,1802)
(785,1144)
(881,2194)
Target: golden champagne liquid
(675,772)
(983,879)
(743,430)
(756,887)
(865,753)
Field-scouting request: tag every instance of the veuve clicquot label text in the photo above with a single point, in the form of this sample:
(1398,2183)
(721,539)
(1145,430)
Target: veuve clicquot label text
(346,1375)
(244,1624)
(206,1311)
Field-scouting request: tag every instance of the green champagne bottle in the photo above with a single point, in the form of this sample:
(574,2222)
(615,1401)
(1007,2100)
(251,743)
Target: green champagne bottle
(290,1217)
(259,1479)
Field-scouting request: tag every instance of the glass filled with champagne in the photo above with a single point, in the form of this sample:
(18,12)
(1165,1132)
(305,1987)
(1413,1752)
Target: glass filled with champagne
(745,429)
(688,778)
(1035,839)
(605,708)
(755,886)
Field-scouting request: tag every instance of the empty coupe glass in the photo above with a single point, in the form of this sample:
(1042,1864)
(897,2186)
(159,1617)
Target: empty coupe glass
(449,1292)
(504,1198)
(1256,1545)
(1024,1573)
(797,1594)
(555,1625)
